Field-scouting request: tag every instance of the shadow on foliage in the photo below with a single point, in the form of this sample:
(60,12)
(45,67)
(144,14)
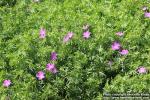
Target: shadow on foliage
(10,3)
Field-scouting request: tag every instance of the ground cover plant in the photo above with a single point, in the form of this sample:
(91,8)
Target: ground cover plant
(73,49)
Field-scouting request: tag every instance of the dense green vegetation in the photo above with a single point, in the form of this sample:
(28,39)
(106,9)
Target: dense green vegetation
(83,69)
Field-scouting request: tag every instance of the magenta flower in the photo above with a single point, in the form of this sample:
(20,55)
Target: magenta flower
(42,33)
(40,75)
(86,34)
(68,37)
(141,70)
(53,56)
(51,68)
(147,14)
(115,46)
(120,33)
(6,83)
(124,52)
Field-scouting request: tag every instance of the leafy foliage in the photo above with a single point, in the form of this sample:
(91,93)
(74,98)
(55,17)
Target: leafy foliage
(84,73)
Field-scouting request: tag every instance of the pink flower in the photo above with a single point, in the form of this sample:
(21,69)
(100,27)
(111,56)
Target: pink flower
(115,46)
(68,37)
(42,33)
(86,34)
(124,52)
(6,83)
(40,75)
(147,14)
(120,33)
(53,56)
(51,68)
(141,70)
